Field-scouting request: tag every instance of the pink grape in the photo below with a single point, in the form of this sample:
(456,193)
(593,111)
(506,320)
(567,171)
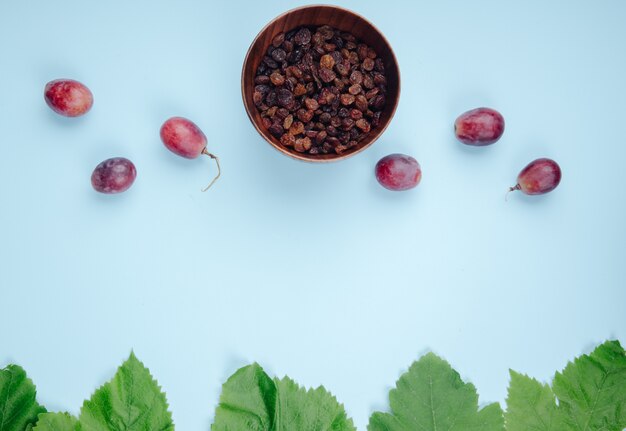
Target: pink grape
(181,136)
(538,177)
(68,97)
(114,175)
(398,172)
(479,127)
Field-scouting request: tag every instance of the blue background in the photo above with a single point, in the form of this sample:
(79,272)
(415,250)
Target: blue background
(313,271)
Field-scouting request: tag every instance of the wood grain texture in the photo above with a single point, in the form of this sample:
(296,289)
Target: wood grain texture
(343,20)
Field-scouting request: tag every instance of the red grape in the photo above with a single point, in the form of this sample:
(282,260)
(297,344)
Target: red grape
(113,175)
(68,97)
(479,127)
(183,137)
(398,172)
(538,177)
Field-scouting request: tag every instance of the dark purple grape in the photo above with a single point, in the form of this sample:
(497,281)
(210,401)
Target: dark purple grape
(113,175)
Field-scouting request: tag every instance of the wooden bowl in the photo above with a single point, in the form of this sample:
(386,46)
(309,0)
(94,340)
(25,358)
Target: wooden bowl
(343,20)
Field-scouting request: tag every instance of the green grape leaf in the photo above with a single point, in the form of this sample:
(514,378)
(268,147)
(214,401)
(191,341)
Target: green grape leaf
(247,401)
(252,401)
(131,401)
(432,397)
(308,410)
(592,390)
(531,406)
(56,422)
(18,405)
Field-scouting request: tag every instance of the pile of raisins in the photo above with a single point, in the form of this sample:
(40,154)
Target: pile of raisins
(320,90)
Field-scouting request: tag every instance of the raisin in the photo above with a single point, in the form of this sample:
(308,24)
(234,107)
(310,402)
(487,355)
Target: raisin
(314,150)
(336,56)
(354,89)
(271,99)
(356,114)
(296,55)
(278,40)
(303,36)
(339,149)
(347,99)
(284,97)
(326,31)
(379,66)
(372,54)
(326,75)
(363,125)
(303,144)
(257,98)
(343,68)
(321,137)
(347,123)
(379,78)
(332,141)
(288,122)
(376,119)
(279,55)
(299,90)
(325,118)
(304,115)
(262,79)
(311,134)
(378,102)
(317,39)
(290,84)
(373,92)
(327,61)
(288,140)
(362,51)
(272,111)
(277,78)
(263,89)
(311,104)
(276,130)
(368,82)
(296,72)
(296,128)
(288,46)
(332,130)
(356,77)
(270,62)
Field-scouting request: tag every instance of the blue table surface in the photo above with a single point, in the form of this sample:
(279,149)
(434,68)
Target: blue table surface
(313,271)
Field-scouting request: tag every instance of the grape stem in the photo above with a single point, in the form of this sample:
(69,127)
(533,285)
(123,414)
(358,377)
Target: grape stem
(219,170)
(511,189)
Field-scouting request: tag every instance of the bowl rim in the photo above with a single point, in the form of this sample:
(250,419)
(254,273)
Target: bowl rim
(299,156)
